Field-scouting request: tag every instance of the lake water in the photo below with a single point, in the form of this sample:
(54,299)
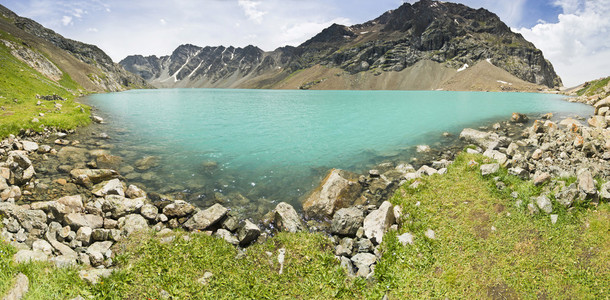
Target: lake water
(250,149)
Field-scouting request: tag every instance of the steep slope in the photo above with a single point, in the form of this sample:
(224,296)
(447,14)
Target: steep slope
(370,55)
(86,64)
(41,73)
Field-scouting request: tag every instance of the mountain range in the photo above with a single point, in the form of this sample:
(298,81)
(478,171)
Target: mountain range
(426,45)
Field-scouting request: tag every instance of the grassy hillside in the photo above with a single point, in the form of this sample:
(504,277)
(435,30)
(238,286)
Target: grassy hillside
(19,85)
(485,247)
(594,87)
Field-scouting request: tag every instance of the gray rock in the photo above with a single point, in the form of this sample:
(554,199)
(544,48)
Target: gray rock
(378,222)
(346,264)
(178,209)
(96,258)
(364,245)
(84,235)
(42,246)
(363,260)
(76,221)
(345,247)
(74,202)
(149,211)
(227,236)
(498,156)
(94,175)
(147,163)
(406,239)
(586,184)
(346,221)
(430,234)
(520,172)
(287,219)
(567,195)
(119,206)
(64,261)
(29,146)
(230,223)
(135,192)
(32,219)
(248,233)
(100,234)
(206,218)
(110,187)
(542,179)
(132,223)
(101,247)
(604,192)
(207,276)
(24,256)
(94,275)
(554,218)
(335,192)
(533,209)
(544,204)
(483,139)
(489,169)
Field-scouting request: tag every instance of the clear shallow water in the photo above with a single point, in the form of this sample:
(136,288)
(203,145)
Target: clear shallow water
(273,145)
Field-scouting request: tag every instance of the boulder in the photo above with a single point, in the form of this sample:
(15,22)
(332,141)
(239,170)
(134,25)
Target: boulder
(206,218)
(42,246)
(363,262)
(346,221)
(519,118)
(178,209)
(586,184)
(334,192)
(107,161)
(29,146)
(74,202)
(597,122)
(485,140)
(604,192)
(110,187)
(378,221)
(20,287)
(542,179)
(498,156)
(119,206)
(287,219)
(76,221)
(84,235)
(544,204)
(149,211)
(147,163)
(132,223)
(101,247)
(248,233)
(135,192)
(31,219)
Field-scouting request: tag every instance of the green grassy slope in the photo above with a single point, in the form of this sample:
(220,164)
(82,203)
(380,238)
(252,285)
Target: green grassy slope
(19,84)
(485,247)
(593,87)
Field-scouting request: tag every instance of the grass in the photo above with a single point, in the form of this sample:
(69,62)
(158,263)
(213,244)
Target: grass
(19,85)
(593,87)
(485,247)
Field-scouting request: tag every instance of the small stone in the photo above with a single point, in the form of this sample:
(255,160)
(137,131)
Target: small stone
(406,239)
(554,218)
(206,278)
(430,234)
(542,179)
(489,169)
(346,221)
(227,236)
(248,233)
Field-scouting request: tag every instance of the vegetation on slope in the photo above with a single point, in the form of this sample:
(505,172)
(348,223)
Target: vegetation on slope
(19,85)
(594,87)
(485,246)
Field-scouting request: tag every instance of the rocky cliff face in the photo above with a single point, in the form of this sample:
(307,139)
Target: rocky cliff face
(449,34)
(87,64)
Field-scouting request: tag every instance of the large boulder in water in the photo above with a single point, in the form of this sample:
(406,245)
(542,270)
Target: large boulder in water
(336,191)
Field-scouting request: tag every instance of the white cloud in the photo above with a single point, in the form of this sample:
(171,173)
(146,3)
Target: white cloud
(92,29)
(163,22)
(252,12)
(78,13)
(578,44)
(66,20)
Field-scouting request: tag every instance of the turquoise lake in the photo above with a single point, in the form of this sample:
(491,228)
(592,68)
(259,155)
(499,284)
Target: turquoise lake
(250,149)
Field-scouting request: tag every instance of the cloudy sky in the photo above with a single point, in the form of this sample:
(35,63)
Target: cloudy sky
(573,34)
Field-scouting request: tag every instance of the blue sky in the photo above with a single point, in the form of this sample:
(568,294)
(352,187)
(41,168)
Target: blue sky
(573,34)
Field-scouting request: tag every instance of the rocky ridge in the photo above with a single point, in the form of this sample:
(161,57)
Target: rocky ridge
(451,35)
(53,55)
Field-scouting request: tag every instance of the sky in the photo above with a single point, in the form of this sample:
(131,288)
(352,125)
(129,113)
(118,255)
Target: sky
(573,34)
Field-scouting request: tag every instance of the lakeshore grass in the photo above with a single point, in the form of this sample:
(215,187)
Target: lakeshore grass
(19,84)
(485,246)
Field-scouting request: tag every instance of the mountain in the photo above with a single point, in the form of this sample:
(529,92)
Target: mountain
(68,64)
(426,45)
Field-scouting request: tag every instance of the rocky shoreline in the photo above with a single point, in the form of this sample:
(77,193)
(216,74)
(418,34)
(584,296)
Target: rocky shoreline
(80,219)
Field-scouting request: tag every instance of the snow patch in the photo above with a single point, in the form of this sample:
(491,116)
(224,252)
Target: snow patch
(488,60)
(464,67)
(364,32)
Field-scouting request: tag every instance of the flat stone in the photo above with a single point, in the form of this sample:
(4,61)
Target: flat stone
(542,179)
(406,239)
(76,221)
(227,236)
(111,187)
(363,260)
(94,275)
(19,289)
(206,218)
(29,146)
